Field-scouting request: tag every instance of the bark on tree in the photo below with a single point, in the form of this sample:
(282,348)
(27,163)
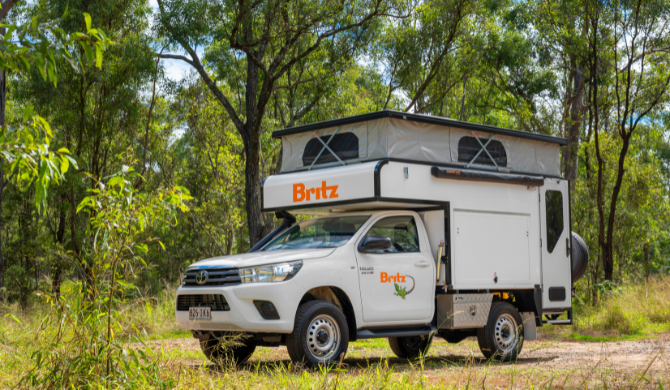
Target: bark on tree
(574,124)
(57,269)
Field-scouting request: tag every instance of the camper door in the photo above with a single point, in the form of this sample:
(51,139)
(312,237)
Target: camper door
(555,226)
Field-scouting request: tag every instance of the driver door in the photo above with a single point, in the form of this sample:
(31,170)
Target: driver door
(396,285)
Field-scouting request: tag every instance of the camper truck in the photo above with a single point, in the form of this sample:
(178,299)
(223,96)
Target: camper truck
(413,227)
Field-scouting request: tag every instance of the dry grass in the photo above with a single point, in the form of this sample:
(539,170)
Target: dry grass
(554,361)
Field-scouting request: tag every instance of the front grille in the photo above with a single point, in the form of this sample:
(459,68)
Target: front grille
(215,277)
(216,301)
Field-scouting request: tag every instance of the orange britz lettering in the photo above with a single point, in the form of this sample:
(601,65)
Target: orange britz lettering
(301,193)
(397,278)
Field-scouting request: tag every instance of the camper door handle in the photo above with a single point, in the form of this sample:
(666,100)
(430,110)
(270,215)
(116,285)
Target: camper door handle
(422,264)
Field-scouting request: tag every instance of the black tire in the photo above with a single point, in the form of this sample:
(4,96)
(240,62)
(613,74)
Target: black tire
(410,347)
(219,353)
(580,257)
(502,337)
(320,334)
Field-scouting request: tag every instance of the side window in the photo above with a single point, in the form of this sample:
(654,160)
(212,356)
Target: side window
(554,204)
(402,232)
(468,147)
(345,145)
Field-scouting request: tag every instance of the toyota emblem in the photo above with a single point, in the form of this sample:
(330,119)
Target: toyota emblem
(201,277)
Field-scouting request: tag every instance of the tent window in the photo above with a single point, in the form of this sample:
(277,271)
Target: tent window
(468,148)
(345,145)
(554,212)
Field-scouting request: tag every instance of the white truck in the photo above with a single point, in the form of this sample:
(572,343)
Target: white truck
(422,227)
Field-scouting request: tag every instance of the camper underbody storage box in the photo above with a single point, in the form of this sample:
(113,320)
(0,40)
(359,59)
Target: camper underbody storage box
(419,226)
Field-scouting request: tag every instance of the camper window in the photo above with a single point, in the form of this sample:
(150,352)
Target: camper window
(402,232)
(554,204)
(468,147)
(344,144)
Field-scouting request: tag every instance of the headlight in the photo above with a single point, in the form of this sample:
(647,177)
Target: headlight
(270,273)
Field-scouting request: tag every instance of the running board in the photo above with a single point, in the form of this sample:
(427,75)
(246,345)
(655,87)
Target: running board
(375,333)
(557,322)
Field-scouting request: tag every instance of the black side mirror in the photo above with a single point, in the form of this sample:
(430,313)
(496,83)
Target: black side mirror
(374,243)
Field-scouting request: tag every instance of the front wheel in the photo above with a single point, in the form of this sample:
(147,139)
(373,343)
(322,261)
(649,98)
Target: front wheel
(502,337)
(320,334)
(410,347)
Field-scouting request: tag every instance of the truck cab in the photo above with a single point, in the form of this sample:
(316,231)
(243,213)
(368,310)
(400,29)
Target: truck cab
(404,249)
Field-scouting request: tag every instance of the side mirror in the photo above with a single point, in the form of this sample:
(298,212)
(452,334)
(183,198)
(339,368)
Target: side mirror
(374,243)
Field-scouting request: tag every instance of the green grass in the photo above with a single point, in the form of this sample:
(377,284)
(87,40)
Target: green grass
(602,339)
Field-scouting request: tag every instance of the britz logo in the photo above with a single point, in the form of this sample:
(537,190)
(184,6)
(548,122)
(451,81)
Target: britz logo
(300,193)
(386,278)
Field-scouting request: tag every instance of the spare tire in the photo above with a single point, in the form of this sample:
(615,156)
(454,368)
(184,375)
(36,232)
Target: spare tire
(580,257)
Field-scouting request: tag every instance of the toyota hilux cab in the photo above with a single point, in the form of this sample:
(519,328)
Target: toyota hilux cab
(427,227)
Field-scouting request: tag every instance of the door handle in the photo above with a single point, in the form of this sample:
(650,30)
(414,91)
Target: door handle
(421,264)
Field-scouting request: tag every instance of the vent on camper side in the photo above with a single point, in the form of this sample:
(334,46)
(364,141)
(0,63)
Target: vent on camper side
(468,147)
(345,145)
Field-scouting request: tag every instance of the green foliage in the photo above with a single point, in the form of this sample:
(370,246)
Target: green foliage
(25,144)
(85,347)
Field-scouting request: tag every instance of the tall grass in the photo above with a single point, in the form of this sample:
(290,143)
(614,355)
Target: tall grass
(636,308)
(25,334)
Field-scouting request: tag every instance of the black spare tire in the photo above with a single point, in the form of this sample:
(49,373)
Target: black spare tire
(580,257)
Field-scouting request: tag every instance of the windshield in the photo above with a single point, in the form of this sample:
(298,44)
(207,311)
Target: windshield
(327,232)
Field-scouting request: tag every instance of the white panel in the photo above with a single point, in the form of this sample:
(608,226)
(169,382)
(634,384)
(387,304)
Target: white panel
(487,245)
(465,195)
(311,188)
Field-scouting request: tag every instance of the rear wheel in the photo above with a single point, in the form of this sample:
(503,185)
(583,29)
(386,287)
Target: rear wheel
(320,334)
(410,347)
(221,351)
(501,338)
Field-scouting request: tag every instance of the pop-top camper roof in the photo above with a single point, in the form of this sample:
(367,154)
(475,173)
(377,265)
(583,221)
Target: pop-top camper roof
(402,136)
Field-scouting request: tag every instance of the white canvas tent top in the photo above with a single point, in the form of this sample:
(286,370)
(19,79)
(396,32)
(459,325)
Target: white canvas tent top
(418,138)
(390,159)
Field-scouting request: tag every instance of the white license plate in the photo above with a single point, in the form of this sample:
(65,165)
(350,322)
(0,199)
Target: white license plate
(200,313)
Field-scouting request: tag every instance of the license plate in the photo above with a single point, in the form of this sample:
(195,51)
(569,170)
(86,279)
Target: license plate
(199,313)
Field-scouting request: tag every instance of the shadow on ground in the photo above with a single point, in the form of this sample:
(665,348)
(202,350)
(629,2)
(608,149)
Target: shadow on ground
(397,364)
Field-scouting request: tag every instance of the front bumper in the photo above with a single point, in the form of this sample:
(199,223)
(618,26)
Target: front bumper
(243,314)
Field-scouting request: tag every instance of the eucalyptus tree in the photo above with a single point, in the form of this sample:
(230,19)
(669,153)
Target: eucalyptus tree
(95,114)
(25,143)
(258,45)
(629,81)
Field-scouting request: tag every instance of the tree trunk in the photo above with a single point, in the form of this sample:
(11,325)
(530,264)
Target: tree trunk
(608,252)
(647,266)
(57,269)
(252,189)
(573,126)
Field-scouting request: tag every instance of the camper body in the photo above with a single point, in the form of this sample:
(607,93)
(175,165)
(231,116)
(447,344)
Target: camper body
(449,245)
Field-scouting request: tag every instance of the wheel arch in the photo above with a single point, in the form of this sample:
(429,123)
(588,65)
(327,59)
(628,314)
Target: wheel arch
(337,297)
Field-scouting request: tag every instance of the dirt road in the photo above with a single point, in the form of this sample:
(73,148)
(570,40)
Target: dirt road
(549,363)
